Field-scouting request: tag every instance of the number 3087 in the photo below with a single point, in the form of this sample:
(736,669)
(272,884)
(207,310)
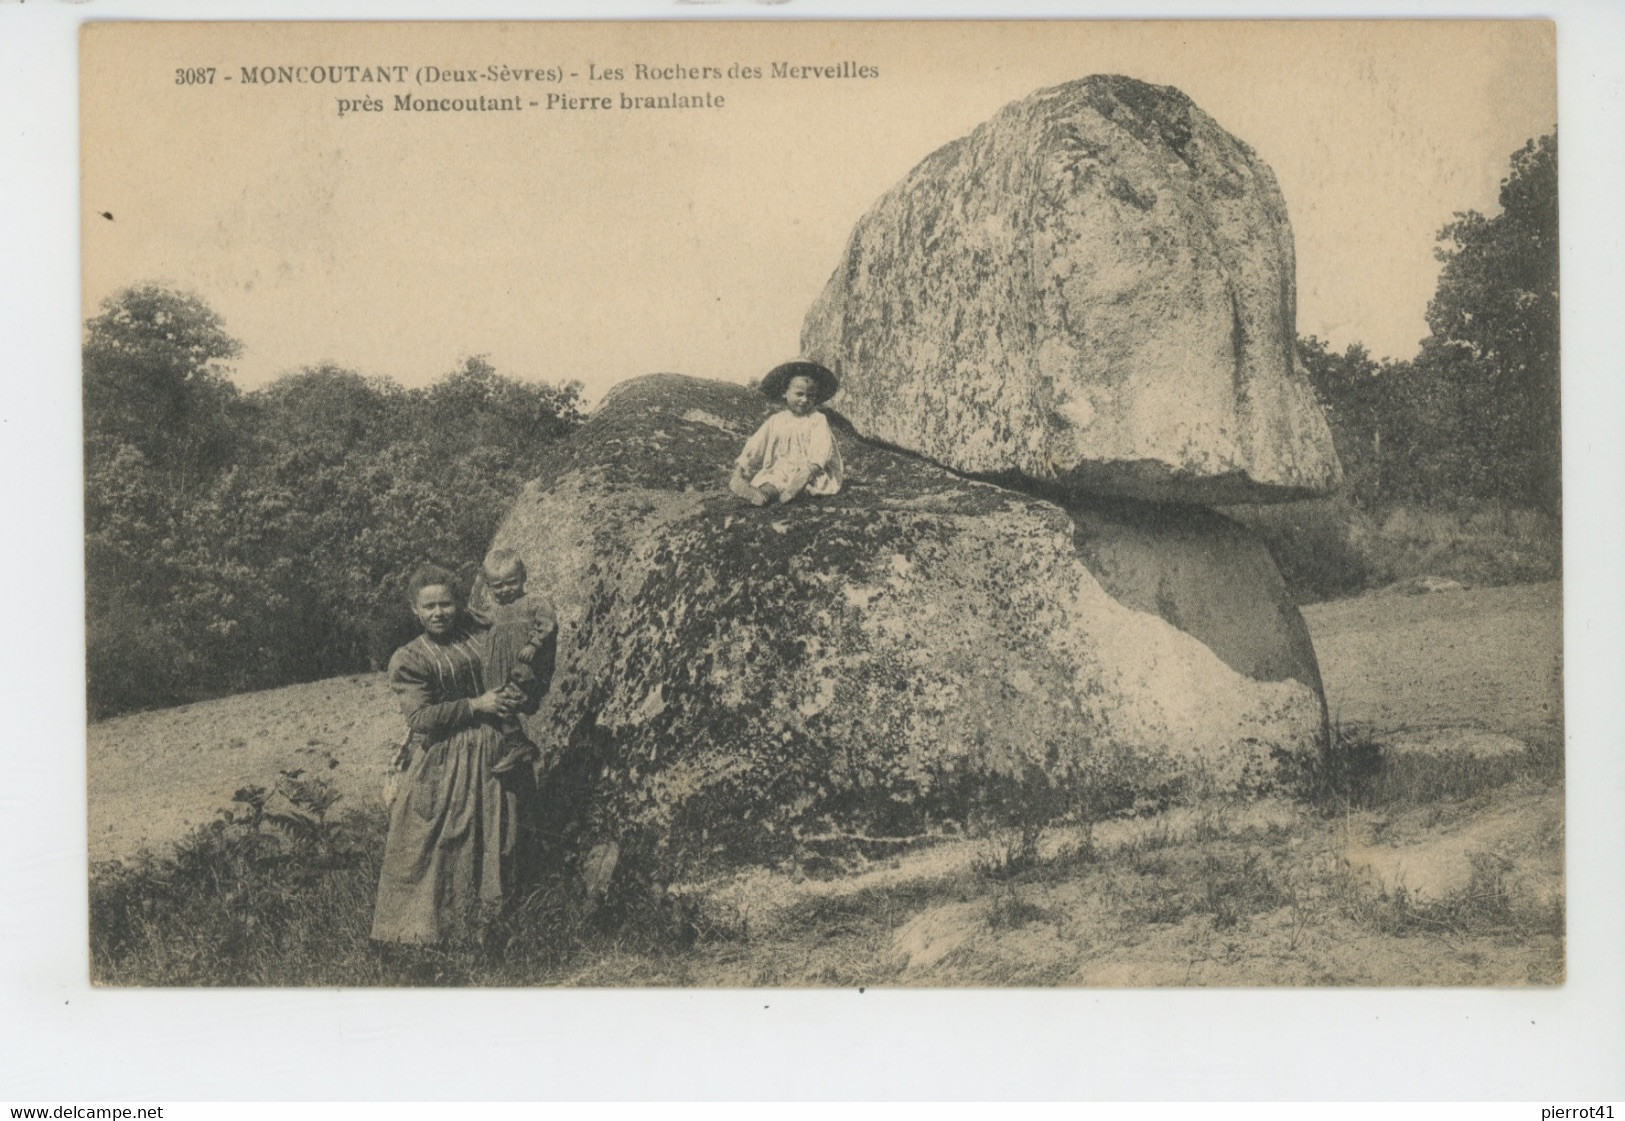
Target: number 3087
(195,76)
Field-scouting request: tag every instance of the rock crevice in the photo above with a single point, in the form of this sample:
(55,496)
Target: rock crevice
(883,658)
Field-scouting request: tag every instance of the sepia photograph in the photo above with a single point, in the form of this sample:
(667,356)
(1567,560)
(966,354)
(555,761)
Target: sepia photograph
(823,505)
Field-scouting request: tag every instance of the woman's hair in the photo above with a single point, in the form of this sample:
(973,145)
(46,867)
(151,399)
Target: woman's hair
(428,576)
(777,380)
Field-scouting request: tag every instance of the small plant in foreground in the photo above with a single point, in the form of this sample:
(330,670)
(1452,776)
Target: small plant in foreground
(1341,773)
(1485,904)
(239,902)
(1236,886)
(279,891)
(1011,815)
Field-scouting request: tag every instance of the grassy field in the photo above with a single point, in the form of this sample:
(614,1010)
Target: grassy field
(1429,853)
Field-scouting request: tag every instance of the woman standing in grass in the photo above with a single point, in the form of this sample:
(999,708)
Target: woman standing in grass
(454,827)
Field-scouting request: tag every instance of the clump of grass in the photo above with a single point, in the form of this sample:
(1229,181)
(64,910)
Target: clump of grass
(1355,770)
(1013,852)
(1237,885)
(1166,908)
(1011,910)
(276,890)
(1485,905)
(1420,778)
(1076,853)
(1341,773)
(1012,814)
(1008,853)
(279,890)
(1227,880)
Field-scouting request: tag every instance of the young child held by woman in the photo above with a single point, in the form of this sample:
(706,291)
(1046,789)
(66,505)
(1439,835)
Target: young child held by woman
(522,646)
(794,450)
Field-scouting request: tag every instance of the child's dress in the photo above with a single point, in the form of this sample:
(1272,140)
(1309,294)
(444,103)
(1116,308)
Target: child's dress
(794,453)
(529,619)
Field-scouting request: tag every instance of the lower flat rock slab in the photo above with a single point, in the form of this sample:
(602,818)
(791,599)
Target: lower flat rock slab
(885,658)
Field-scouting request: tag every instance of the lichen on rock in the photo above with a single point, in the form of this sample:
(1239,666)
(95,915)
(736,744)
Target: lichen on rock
(1094,289)
(731,676)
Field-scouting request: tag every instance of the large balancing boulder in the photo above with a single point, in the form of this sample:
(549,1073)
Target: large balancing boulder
(1095,288)
(731,677)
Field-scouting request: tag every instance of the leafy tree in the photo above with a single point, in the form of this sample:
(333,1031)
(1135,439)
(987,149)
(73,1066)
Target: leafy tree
(1352,394)
(161,424)
(1493,346)
(327,413)
(474,406)
(1475,415)
(378,479)
(155,379)
(246,541)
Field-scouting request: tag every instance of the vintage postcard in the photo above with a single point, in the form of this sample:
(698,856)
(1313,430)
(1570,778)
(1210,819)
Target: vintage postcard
(823,504)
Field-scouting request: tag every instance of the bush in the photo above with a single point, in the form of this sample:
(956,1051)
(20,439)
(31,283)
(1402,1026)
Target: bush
(237,542)
(1328,548)
(1342,773)
(273,892)
(1320,546)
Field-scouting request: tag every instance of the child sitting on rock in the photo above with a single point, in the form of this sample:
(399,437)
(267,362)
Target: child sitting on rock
(794,450)
(522,645)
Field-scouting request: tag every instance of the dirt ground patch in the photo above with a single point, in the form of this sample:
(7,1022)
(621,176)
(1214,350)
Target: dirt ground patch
(153,776)
(1486,658)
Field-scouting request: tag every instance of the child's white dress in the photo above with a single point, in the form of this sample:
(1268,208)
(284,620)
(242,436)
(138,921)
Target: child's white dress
(793,453)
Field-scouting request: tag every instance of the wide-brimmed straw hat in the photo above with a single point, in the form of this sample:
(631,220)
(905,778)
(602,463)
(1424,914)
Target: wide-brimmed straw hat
(777,380)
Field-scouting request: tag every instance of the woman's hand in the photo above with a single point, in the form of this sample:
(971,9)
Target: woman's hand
(493,702)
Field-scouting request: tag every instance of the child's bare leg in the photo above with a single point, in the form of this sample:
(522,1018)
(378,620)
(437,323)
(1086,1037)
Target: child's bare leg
(742,488)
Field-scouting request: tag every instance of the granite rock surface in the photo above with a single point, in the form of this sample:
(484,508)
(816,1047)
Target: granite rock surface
(733,677)
(1094,289)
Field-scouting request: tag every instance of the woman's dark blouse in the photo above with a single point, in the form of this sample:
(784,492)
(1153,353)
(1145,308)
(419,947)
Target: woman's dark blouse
(436,678)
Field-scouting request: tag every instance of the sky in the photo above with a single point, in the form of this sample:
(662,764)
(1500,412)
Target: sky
(600,245)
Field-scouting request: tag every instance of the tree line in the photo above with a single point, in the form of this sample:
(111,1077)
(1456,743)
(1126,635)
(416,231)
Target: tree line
(238,541)
(1475,415)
